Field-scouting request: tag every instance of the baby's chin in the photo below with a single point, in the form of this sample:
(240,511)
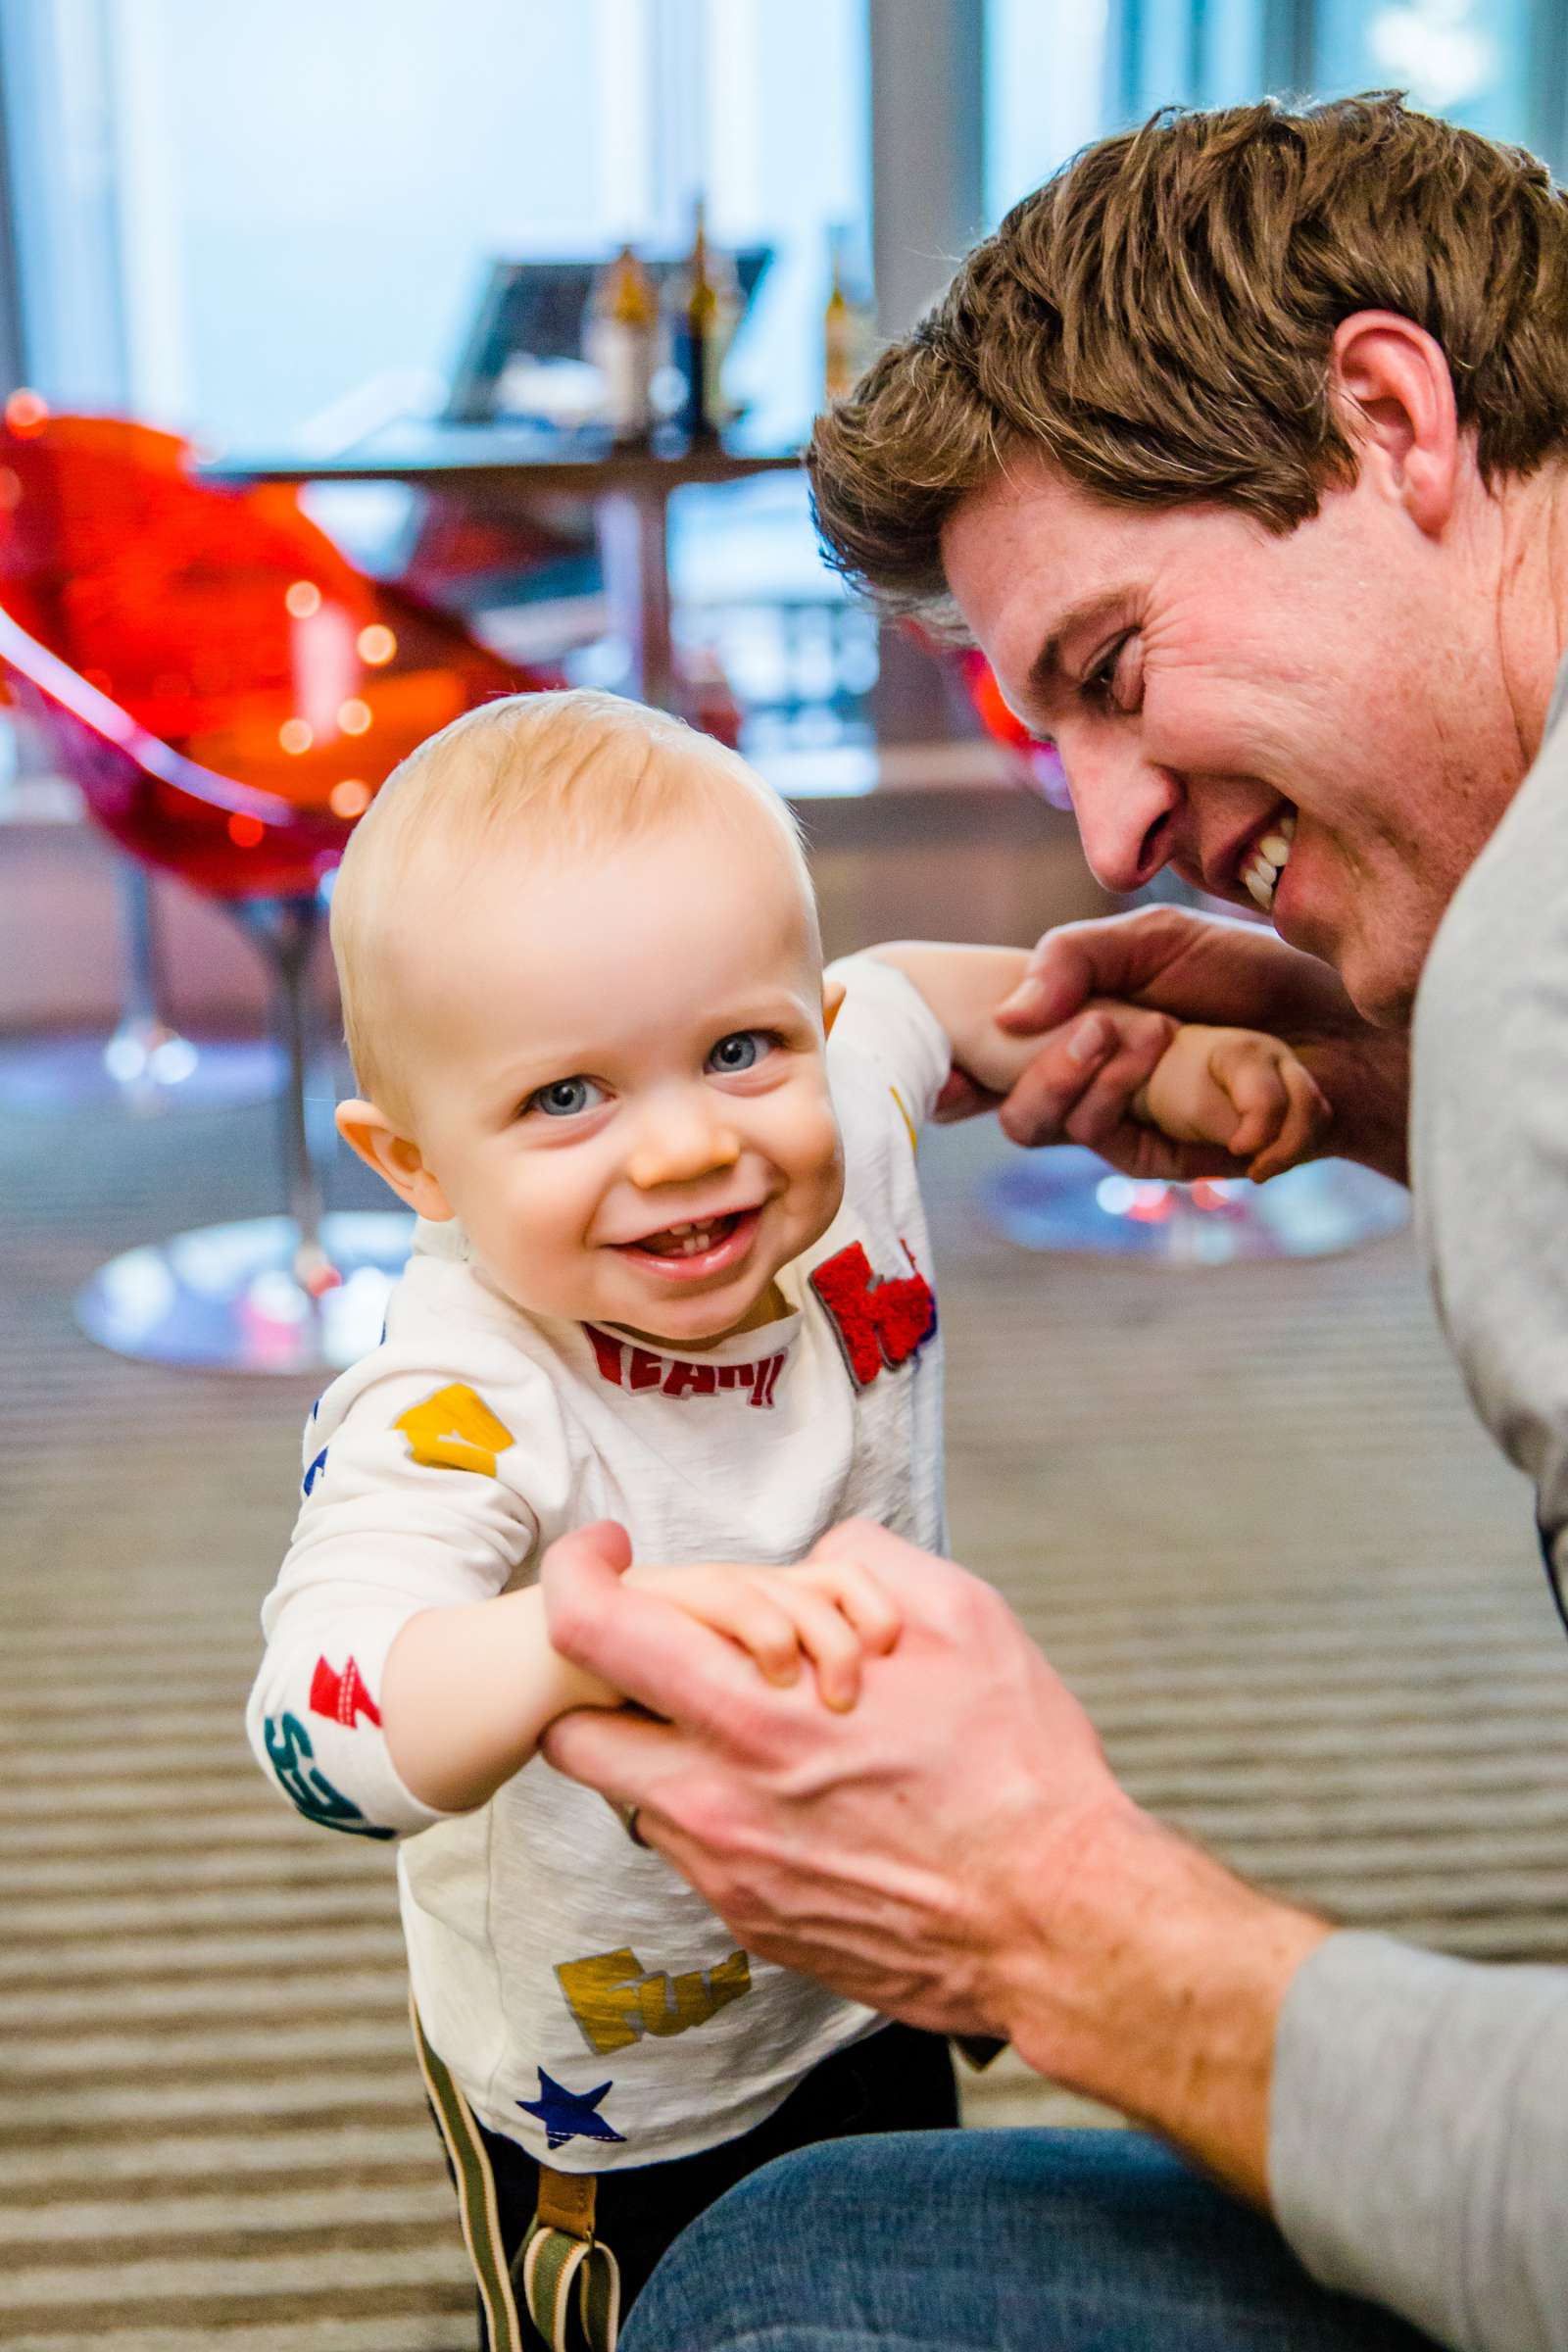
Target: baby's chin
(691,1330)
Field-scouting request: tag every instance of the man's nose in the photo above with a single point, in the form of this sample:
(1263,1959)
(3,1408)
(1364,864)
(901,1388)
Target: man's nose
(1127,810)
(679,1140)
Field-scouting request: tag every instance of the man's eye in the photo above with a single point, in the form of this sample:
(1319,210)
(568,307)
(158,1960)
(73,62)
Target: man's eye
(565,1097)
(742,1049)
(1100,684)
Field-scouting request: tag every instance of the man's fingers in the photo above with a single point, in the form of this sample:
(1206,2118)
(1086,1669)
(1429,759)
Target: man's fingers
(1112,956)
(623,1756)
(1106,1100)
(1062,974)
(961,1098)
(1038,1109)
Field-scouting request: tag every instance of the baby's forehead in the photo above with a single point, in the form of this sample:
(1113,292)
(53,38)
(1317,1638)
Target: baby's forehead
(726,866)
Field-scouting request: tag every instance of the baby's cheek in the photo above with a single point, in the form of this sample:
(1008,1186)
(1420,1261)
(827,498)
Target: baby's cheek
(817,1149)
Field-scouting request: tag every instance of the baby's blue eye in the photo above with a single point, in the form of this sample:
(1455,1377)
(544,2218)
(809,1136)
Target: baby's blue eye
(565,1097)
(742,1049)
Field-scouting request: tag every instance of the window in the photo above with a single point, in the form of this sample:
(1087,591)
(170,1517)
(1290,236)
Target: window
(239,221)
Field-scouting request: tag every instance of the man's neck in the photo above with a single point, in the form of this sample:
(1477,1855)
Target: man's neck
(1533,599)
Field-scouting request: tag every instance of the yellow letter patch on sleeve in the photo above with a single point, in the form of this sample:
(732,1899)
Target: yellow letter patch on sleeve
(455,1430)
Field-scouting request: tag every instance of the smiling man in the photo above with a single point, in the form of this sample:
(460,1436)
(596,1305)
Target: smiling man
(1240,449)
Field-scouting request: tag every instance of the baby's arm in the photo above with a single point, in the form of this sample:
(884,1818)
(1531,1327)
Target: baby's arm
(1245,1093)
(404,1678)
(467,1691)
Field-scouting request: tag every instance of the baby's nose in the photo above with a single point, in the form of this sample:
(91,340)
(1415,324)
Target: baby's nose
(678,1149)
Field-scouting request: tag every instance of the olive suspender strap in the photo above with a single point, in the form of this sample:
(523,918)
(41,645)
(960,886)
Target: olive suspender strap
(561,2249)
(558,2250)
(476,2195)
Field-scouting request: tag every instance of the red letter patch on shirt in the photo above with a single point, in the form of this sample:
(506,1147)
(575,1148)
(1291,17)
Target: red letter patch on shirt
(627,1367)
(343,1696)
(880,1324)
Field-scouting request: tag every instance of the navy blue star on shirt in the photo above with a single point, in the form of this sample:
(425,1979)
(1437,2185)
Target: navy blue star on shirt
(568,2114)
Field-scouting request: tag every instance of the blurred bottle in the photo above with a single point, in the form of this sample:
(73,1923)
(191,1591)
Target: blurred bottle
(624,344)
(848,324)
(703,309)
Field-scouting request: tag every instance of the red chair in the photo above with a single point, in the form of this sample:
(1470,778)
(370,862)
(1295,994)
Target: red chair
(228,692)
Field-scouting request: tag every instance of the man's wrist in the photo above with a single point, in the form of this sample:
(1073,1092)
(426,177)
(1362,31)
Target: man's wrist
(1143,1974)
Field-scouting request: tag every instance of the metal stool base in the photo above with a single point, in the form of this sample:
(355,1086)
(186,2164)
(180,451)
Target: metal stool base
(1065,1199)
(225,1299)
(136,1073)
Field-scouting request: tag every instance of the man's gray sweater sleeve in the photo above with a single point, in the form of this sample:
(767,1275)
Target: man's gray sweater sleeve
(1419,2146)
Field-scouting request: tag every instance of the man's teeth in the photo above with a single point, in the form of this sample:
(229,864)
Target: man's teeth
(1267,861)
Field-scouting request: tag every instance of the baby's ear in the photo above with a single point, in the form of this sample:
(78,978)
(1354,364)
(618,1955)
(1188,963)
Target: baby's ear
(833,995)
(395,1157)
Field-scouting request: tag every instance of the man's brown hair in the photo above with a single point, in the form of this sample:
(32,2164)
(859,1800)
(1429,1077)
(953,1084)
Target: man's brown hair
(1156,320)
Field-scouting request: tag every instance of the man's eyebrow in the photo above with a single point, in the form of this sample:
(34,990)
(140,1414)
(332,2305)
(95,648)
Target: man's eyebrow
(1046,680)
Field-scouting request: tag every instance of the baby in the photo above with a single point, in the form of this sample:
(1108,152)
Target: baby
(670,1269)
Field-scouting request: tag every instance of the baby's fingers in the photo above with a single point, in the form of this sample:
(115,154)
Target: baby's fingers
(1306,1115)
(827,1634)
(1254,1078)
(743,1606)
(856,1593)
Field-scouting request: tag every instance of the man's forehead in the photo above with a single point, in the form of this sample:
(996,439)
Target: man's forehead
(1029,536)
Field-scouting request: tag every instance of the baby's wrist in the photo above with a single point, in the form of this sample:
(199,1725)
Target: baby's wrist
(575,1686)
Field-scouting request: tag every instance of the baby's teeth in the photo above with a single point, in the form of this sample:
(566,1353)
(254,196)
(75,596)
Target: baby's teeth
(1275,846)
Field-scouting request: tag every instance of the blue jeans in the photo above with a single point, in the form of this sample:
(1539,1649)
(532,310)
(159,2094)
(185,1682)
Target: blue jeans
(992,2242)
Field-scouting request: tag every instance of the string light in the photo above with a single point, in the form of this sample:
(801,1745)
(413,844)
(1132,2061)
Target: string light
(350,798)
(303,599)
(354,717)
(245,831)
(296,735)
(377,644)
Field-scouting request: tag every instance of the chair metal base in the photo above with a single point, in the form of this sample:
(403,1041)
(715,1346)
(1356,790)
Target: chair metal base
(227,1298)
(1065,1199)
(143,1068)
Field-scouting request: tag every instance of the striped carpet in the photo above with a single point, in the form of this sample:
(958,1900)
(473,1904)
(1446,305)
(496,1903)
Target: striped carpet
(1246,1509)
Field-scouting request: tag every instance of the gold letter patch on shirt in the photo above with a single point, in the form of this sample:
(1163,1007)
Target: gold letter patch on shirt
(455,1430)
(615,2000)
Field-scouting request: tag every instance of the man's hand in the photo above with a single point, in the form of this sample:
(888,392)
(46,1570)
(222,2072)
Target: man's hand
(953,1851)
(1200,968)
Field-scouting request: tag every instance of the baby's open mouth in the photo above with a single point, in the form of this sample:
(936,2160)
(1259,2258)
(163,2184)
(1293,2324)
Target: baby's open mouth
(688,1240)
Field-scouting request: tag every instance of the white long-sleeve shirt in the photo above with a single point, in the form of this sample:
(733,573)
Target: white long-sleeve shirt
(587,2001)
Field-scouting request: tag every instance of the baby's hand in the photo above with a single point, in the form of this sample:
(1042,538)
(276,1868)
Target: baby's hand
(834,1613)
(1239,1088)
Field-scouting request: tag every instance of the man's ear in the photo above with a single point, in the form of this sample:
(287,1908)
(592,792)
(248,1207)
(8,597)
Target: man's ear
(1391,379)
(395,1157)
(833,996)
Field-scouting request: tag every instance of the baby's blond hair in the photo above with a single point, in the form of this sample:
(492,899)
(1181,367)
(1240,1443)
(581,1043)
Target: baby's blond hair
(579,769)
